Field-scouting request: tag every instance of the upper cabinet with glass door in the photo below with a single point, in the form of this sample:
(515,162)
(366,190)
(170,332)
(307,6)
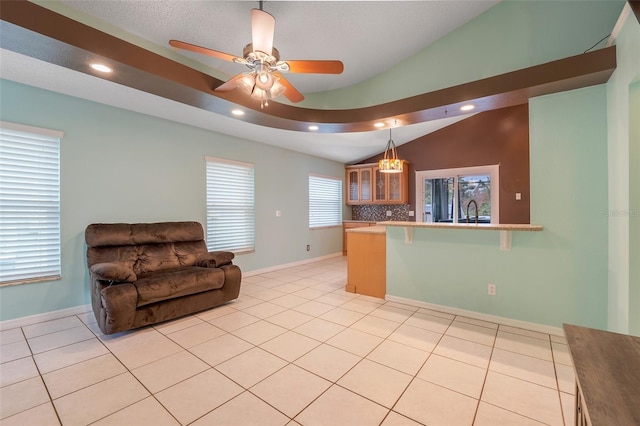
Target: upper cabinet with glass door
(359,190)
(366,185)
(391,188)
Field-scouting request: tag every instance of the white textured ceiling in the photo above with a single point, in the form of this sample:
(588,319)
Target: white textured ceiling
(367,36)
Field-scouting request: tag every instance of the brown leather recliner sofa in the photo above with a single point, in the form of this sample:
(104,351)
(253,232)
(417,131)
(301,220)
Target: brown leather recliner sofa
(145,273)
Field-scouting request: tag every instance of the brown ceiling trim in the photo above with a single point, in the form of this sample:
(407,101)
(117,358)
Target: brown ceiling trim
(38,32)
(635,7)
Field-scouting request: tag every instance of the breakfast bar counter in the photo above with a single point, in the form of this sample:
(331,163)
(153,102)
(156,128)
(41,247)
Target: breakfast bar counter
(504,229)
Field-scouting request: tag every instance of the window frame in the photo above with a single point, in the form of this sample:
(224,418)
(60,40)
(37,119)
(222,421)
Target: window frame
(339,201)
(250,236)
(47,250)
(492,170)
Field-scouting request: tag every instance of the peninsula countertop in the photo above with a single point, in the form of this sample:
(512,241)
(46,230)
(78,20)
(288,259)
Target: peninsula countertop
(466,226)
(378,229)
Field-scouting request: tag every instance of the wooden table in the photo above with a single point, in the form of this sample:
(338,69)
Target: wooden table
(607,367)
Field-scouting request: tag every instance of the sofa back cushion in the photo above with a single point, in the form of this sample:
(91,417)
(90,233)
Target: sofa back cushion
(145,247)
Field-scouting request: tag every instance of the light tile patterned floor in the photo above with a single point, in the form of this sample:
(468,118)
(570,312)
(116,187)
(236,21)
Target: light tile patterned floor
(295,348)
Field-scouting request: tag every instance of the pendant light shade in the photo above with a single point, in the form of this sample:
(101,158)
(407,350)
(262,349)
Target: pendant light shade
(390,162)
(263,86)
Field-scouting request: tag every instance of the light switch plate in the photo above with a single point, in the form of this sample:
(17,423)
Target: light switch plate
(411,213)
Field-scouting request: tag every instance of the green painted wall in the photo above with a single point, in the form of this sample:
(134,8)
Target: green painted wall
(121,166)
(634,208)
(512,35)
(549,277)
(624,163)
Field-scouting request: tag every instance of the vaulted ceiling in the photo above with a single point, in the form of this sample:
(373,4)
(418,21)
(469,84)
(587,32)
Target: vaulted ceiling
(52,48)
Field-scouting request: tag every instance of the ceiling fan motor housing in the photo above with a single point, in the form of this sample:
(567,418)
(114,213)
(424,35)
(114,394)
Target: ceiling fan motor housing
(250,55)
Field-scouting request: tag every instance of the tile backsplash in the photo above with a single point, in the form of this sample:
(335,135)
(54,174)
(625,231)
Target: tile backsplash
(378,212)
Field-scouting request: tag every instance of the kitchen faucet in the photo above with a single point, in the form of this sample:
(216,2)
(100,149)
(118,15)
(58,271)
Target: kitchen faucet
(469,205)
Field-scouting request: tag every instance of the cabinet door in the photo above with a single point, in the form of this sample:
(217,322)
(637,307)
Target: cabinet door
(380,186)
(353,186)
(365,185)
(395,187)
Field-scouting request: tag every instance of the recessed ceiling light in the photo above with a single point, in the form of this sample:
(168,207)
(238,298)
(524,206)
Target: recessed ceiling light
(313,127)
(101,68)
(379,124)
(237,112)
(467,107)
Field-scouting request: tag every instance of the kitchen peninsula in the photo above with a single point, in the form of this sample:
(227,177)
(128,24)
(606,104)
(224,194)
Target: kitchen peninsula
(505,229)
(367,257)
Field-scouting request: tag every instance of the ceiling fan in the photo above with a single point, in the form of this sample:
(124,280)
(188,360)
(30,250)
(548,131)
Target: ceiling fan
(264,80)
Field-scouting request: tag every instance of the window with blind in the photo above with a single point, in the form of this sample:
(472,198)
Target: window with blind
(29,204)
(230,206)
(325,202)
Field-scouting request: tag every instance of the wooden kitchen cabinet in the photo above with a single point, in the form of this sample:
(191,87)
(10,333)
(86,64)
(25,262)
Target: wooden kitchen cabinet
(367,261)
(359,184)
(391,188)
(367,185)
(351,225)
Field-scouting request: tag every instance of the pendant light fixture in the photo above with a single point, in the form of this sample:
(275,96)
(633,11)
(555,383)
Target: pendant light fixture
(390,162)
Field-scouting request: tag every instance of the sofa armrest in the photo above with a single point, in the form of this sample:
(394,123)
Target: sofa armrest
(119,303)
(113,272)
(214,259)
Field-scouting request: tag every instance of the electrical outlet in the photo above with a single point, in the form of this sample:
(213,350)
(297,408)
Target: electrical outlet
(308,247)
(491,289)
(518,196)
(278,213)
(389,212)
(411,213)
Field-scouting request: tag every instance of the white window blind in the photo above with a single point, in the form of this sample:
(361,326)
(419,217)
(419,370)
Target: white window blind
(325,201)
(230,205)
(29,204)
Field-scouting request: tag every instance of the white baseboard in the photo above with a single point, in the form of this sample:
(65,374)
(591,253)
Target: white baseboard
(289,265)
(542,328)
(47,316)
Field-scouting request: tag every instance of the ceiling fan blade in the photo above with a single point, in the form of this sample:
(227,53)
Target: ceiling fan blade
(230,84)
(262,28)
(316,67)
(202,50)
(291,92)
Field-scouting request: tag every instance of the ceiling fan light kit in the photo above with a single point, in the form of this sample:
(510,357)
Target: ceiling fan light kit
(264,80)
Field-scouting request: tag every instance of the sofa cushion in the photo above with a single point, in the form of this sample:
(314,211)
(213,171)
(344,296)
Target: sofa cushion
(147,258)
(214,259)
(158,257)
(113,272)
(132,234)
(161,285)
